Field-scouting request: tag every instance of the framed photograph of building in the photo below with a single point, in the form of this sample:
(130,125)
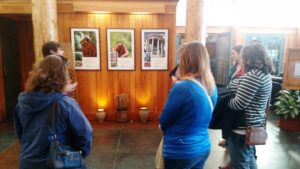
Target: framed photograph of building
(154,49)
(86,48)
(120,49)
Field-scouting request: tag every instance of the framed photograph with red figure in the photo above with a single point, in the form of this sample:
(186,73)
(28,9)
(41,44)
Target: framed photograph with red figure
(86,48)
(120,49)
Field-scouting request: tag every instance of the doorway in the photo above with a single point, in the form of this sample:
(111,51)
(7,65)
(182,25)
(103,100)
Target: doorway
(219,48)
(10,79)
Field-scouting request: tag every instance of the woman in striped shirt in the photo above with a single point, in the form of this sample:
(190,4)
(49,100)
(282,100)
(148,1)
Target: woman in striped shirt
(253,90)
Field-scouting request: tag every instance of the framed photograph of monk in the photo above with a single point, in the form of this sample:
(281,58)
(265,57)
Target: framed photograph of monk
(120,49)
(86,48)
(154,49)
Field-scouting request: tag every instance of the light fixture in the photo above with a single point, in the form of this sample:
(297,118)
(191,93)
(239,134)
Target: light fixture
(144,114)
(100,114)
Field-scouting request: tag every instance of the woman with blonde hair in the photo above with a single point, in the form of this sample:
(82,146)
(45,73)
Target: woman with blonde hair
(33,114)
(186,115)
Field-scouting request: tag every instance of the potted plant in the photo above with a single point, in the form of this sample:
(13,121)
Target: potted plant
(288,109)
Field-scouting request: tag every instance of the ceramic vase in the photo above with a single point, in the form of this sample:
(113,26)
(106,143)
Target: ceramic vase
(144,114)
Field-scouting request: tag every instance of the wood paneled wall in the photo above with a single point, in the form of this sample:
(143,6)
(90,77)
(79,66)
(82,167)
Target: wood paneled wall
(98,88)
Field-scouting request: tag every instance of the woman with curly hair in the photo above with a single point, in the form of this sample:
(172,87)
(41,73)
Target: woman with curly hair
(253,91)
(32,118)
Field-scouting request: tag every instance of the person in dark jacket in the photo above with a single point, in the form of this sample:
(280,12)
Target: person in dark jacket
(174,74)
(32,118)
(236,70)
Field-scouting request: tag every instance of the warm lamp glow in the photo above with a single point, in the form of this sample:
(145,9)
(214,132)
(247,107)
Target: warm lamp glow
(102,102)
(143,108)
(143,100)
(100,110)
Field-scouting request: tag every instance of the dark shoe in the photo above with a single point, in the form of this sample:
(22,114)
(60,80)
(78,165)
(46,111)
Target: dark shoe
(228,166)
(223,143)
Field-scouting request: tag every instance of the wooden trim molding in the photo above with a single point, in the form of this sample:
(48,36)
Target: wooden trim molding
(124,7)
(25,8)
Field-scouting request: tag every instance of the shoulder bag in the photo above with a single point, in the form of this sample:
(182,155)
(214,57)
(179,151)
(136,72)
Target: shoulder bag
(61,156)
(257,135)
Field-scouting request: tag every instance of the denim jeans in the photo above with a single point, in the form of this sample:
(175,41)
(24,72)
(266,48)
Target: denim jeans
(242,155)
(190,163)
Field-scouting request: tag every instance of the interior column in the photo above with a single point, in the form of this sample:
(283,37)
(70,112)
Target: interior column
(195,26)
(44,19)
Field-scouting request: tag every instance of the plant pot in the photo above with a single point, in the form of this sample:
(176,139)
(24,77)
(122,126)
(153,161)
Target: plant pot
(122,116)
(100,116)
(289,124)
(144,114)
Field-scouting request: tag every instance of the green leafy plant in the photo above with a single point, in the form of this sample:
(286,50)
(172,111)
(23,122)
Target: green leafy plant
(288,104)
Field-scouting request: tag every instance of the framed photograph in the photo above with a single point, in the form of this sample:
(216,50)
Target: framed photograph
(154,49)
(86,48)
(120,49)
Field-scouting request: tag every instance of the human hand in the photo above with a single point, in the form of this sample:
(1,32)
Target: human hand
(70,87)
(174,79)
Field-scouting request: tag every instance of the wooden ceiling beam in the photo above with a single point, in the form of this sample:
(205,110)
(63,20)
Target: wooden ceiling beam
(6,8)
(89,6)
(125,6)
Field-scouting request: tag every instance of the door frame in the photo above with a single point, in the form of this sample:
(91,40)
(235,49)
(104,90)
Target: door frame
(2,96)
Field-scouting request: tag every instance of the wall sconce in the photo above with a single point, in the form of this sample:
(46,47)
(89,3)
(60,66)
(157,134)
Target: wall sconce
(144,114)
(100,115)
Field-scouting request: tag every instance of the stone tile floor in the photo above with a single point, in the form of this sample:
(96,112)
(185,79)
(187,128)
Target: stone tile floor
(133,146)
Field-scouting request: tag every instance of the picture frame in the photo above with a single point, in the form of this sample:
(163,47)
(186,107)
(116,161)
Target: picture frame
(120,49)
(86,48)
(154,49)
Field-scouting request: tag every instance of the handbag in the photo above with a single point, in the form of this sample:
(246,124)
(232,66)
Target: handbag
(257,135)
(159,159)
(62,156)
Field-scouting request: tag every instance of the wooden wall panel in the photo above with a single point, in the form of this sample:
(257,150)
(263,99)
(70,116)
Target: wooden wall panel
(97,88)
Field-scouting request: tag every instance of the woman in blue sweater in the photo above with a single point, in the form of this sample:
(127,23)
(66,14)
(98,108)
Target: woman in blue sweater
(187,112)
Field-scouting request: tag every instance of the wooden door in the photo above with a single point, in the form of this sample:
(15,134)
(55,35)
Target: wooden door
(2,100)
(223,53)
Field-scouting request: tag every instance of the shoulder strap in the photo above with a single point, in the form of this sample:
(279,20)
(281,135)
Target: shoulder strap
(209,99)
(53,118)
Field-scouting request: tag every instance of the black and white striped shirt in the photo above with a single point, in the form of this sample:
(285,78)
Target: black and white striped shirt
(253,90)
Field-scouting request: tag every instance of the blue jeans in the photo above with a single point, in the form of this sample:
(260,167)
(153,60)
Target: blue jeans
(190,163)
(242,155)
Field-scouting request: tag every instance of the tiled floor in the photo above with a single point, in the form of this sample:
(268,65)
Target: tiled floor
(133,146)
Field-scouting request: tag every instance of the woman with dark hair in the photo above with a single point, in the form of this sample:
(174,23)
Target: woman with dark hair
(236,70)
(188,110)
(252,90)
(32,118)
